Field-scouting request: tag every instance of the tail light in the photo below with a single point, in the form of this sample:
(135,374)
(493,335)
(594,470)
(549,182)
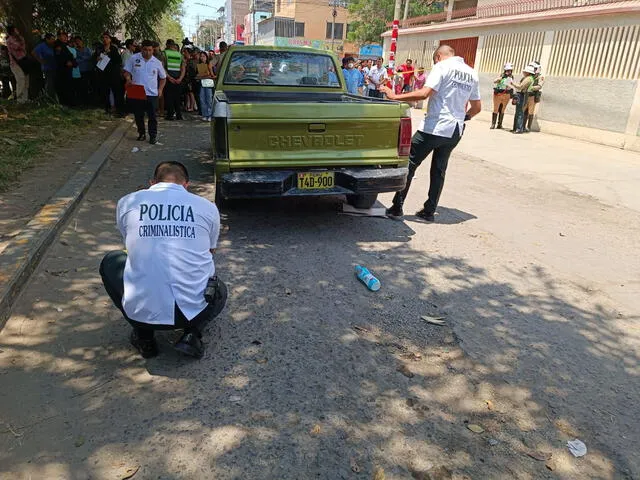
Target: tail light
(404,139)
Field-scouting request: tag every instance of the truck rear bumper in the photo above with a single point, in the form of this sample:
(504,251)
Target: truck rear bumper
(278,183)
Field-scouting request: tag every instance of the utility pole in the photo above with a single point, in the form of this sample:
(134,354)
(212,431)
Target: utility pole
(334,14)
(406,11)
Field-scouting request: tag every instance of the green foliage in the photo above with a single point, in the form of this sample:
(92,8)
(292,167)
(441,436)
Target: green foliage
(169,27)
(89,18)
(373,16)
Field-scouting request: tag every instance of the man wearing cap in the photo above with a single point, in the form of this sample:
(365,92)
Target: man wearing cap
(501,95)
(176,70)
(534,95)
(145,69)
(521,90)
(166,279)
(451,85)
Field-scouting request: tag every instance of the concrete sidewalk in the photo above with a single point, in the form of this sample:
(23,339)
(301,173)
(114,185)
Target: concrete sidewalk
(605,173)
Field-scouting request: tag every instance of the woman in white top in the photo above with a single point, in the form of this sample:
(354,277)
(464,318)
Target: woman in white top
(206,86)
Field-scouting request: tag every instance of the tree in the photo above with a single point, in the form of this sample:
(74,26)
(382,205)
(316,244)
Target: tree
(89,18)
(374,15)
(169,26)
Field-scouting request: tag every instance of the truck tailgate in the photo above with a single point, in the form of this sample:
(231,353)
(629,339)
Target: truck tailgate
(276,135)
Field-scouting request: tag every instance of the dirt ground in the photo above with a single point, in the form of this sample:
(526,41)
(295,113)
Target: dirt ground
(50,171)
(309,375)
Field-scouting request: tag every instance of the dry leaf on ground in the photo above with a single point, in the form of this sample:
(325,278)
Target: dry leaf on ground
(540,456)
(475,428)
(378,474)
(130,472)
(316,429)
(434,320)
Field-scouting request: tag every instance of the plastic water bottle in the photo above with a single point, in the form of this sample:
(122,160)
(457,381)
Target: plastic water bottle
(366,277)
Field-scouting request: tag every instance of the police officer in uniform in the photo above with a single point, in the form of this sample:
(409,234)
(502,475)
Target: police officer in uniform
(166,278)
(176,70)
(145,69)
(534,95)
(451,84)
(521,93)
(501,95)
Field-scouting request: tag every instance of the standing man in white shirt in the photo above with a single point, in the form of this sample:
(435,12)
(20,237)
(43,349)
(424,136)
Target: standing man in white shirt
(145,69)
(165,280)
(449,87)
(376,78)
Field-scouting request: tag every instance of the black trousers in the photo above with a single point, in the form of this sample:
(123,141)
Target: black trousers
(112,83)
(112,273)
(422,144)
(376,94)
(172,99)
(148,107)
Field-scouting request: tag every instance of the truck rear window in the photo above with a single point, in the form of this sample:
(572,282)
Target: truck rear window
(285,69)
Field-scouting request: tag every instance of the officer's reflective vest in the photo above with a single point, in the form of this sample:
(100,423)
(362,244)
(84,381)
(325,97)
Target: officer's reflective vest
(174,60)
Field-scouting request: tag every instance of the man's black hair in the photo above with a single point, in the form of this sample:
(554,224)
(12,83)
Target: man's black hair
(171,168)
(223,44)
(78,37)
(146,43)
(11,29)
(129,42)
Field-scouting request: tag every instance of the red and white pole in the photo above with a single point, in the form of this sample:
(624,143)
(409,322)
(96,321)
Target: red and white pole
(394,40)
(394,37)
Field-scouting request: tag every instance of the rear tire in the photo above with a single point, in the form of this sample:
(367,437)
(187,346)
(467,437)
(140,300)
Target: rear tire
(362,201)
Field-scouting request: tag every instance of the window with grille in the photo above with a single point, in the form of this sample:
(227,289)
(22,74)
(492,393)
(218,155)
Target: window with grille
(299,29)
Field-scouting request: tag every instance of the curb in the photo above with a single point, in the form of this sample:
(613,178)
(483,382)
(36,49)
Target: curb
(23,254)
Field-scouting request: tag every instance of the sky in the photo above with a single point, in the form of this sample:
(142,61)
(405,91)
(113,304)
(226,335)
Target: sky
(193,8)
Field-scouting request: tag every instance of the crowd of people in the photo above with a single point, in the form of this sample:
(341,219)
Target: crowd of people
(65,69)
(365,77)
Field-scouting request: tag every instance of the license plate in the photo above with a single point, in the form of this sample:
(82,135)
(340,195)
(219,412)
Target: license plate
(316,180)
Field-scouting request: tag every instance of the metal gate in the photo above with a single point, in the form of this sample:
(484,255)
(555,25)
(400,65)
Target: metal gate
(464,47)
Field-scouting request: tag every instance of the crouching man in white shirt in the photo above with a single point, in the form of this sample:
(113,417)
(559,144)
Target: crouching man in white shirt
(161,281)
(449,87)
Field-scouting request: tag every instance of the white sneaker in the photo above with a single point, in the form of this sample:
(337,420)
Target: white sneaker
(208,119)
(204,119)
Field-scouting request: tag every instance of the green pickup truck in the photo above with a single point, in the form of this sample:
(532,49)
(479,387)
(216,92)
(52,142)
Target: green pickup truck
(285,125)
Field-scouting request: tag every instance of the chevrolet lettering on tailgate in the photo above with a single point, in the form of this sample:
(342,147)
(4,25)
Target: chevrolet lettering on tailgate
(285,125)
(315,141)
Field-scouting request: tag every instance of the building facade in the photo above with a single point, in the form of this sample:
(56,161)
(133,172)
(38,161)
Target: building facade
(235,12)
(589,51)
(303,23)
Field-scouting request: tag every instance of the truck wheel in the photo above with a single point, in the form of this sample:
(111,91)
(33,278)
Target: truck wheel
(364,201)
(219,199)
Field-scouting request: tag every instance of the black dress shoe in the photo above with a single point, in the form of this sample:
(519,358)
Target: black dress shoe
(426,216)
(148,348)
(142,137)
(395,212)
(168,119)
(190,344)
(153,140)
(179,117)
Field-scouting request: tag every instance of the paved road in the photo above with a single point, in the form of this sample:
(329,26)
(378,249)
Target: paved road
(523,269)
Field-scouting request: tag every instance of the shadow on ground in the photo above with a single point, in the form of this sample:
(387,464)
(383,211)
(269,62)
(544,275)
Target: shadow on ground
(310,375)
